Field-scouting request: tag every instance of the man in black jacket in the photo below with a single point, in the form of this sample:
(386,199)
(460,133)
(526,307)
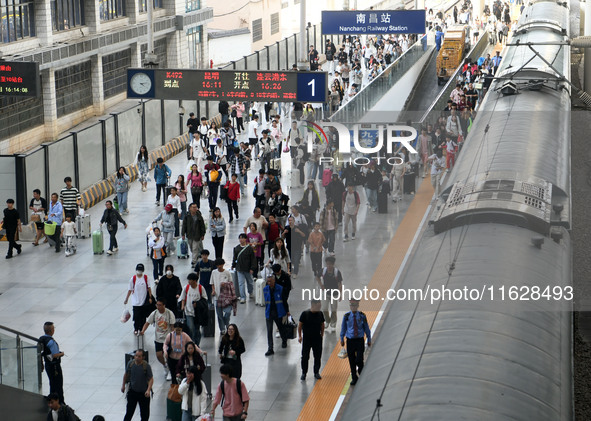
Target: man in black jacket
(111,217)
(372,182)
(224,109)
(334,193)
(245,264)
(330,51)
(62,411)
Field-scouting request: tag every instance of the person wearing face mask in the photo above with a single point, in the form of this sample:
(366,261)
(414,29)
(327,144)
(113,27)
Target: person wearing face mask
(169,287)
(141,293)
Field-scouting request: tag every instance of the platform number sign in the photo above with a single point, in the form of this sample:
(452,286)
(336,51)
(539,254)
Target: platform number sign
(312,87)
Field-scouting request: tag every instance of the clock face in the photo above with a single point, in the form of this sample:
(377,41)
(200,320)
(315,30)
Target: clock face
(140,83)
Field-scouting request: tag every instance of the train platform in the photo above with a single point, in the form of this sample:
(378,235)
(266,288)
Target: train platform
(83,295)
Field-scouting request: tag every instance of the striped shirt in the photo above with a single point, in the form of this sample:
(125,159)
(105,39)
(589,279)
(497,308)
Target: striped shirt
(69,198)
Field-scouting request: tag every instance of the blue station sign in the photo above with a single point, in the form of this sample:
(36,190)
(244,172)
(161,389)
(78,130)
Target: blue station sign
(373,22)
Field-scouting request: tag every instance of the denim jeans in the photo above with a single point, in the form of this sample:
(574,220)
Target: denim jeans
(122,200)
(224,314)
(187,415)
(194,328)
(373,198)
(242,278)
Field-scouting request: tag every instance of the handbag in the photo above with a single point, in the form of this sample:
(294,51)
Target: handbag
(224,193)
(233,114)
(196,191)
(173,393)
(342,353)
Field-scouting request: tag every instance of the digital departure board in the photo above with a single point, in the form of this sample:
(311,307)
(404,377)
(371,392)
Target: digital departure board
(227,85)
(19,78)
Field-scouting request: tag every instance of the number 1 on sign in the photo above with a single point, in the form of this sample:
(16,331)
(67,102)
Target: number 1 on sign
(313,83)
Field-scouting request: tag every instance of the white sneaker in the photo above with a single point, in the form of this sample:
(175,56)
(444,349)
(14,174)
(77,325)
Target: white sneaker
(242,301)
(353,237)
(277,335)
(116,249)
(109,252)
(168,376)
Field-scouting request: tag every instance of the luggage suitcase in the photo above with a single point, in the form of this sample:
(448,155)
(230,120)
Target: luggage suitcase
(259,298)
(295,178)
(131,354)
(209,330)
(83,226)
(275,164)
(206,377)
(182,249)
(97,242)
(173,410)
(409,183)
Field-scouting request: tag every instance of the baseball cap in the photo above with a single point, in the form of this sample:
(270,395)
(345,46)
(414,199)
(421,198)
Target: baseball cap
(168,207)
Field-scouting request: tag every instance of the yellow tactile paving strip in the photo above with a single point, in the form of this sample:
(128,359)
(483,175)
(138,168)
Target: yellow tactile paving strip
(335,374)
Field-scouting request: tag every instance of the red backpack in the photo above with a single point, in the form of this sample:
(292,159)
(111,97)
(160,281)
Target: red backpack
(145,280)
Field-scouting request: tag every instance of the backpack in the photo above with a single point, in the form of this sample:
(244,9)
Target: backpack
(238,389)
(45,341)
(326,177)
(213,175)
(145,280)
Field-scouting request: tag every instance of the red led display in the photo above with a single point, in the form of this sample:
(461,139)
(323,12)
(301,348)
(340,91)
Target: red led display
(18,78)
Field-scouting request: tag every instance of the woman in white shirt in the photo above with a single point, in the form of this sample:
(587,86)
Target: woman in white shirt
(280,256)
(194,393)
(212,135)
(198,151)
(220,156)
(174,200)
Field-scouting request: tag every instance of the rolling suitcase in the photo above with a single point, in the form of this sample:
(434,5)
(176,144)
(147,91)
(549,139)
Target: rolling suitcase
(206,377)
(209,329)
(409,183)
(295,178)
(131,354)
(83,226)
(182,249)
(97,242)
(259,297)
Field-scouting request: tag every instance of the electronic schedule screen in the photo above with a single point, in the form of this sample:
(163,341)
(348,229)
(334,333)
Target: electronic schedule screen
(228,85)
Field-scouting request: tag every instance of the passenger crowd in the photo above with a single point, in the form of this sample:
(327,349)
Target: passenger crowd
(224,165)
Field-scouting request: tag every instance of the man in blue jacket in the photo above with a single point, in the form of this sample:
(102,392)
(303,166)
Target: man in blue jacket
(161,175)
(276,310)
(355,327)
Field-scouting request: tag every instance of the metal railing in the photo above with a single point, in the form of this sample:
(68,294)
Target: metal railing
(20,360)
(370,94)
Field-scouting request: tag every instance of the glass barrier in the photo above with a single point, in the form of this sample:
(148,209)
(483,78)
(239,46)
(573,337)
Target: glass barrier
(240,64)
(251,62)
(273,57)
(153,127)
(263,59)
(61,162)
(35,165)
(110,140)
(20,360)
(7,171)
(171,114)
(291,52)
(90,156)
(130,135)
(282,59)
(360,104)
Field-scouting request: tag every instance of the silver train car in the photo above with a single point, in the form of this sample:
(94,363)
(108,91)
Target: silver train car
(504,227)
